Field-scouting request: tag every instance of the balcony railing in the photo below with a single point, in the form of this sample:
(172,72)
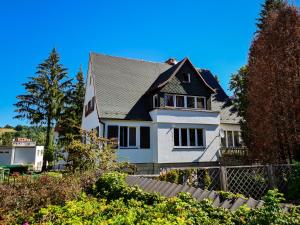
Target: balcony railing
(234,151)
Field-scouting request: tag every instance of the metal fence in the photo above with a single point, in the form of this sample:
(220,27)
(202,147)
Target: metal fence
(251,181)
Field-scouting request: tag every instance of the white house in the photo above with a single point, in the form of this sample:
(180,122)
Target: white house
(163,114)
(22,152)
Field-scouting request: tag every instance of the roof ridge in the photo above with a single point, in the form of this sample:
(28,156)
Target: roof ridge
(127,58)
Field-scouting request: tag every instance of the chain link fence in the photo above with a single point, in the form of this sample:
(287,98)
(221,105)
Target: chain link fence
(251,181)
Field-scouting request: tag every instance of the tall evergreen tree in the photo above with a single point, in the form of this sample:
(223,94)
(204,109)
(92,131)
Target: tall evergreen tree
(273,104)
(267,7)
(45,98)
(70,122)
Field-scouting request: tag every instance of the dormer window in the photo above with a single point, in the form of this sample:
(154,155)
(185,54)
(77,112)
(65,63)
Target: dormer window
(186,78)
(155,101)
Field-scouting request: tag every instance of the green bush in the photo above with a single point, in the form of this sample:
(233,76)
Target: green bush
(132,206)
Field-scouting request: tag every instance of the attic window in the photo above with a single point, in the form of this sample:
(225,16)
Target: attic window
(186,78)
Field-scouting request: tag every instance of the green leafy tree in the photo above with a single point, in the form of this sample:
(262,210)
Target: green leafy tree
(45,97)
(7,138)
(96,154)
(70,121)
(238,85)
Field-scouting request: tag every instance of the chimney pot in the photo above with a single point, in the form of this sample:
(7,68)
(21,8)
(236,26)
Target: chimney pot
(171,61)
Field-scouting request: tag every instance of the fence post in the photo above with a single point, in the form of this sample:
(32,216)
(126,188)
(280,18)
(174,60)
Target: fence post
(223,178)
(271,179)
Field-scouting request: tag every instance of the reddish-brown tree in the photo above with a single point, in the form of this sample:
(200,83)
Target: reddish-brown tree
(273,80)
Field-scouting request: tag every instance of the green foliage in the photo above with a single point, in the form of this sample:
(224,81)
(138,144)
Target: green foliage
(96,154)
(45,97)
(229,195)
(70,120)
(130,205)
(207,179)
(294,183)
(6,138)
(238,86)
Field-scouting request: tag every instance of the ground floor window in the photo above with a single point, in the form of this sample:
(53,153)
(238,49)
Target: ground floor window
(188,137)
(231,139)
(128,136)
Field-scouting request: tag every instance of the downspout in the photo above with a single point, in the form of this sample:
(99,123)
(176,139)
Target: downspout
(103,132)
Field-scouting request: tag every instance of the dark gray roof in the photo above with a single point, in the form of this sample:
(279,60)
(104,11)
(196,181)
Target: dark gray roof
(121,84)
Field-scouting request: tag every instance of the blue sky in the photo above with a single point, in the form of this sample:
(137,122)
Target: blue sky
(214,34)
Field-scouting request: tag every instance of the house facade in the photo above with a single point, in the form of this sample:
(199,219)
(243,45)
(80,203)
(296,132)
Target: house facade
(163,114)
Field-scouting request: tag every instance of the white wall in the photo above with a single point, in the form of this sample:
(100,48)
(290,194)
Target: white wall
(23,155)
(168,154)
(91,121)
(185,116)
(5,155)
(135,155)
(231,127)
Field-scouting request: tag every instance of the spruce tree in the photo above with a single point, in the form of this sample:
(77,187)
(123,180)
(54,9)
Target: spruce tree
(70,121)
(45,98)
(267,7)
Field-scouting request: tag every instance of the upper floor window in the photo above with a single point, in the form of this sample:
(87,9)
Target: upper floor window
(89,107)
(155,101)
(182,101)
(169,100)
(186,78)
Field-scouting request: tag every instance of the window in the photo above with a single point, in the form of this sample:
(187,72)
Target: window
(132,136)
(192,137)
(190,102)
(176,137)
(223,139)
(155,101)
(200,104)
(145,137)
(186,78)
(90,106)
(229,139)
(169,99)
(200,137)
(188,137)
(179,101)
(184,137)
(236,139)
(123,136)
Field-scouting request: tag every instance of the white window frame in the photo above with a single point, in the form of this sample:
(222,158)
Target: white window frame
(233,138)
(155,97)
(189,78)
(184,101)
(204,102)
(128,145)
(188,137)
(174,101)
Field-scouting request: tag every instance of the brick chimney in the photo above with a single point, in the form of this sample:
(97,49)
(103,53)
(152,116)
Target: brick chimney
(171,61)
